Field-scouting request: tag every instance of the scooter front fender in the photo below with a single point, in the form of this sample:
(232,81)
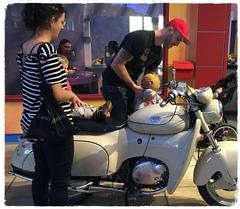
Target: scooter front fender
(211,162)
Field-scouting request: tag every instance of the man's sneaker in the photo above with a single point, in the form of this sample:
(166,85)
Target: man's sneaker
(103,111)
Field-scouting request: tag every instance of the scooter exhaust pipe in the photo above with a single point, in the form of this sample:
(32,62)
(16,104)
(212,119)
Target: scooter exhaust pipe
(105,189)
(95,189)
(88,188)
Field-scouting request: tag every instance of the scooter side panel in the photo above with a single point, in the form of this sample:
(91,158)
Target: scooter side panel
(119,145)
(90,159)
(95,154)
(210,162)
(175,151)
(133,145)
(29,163)
(21,153)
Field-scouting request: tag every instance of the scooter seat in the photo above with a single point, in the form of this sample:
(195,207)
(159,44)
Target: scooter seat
(93,126)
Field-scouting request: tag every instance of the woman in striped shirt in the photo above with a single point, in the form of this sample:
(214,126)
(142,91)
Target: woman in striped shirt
(53,160)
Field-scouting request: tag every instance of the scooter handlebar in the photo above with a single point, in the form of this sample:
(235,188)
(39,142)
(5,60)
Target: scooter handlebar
(171,96)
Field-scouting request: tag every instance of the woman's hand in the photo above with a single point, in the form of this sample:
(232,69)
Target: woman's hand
(76,102)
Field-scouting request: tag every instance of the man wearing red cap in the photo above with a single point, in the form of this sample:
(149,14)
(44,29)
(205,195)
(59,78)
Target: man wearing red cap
(140,51)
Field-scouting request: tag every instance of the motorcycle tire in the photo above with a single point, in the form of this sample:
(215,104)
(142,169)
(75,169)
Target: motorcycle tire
(75,197)
(225,132)
(217,197)
(221,132)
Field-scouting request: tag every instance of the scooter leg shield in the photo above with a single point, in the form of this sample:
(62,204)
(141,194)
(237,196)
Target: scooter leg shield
(211,162)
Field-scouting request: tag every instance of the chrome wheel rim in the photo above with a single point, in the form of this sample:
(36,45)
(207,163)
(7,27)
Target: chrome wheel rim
(225,133)
(226,197)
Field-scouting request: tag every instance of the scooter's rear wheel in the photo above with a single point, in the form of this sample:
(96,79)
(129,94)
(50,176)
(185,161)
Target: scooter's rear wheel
(75,197)
(225,132)
(221,132)
(214,195)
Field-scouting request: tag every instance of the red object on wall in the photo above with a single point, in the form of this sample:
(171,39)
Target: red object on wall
(212,43)
(210,52)
(184,69)
(211,17)
(208,76)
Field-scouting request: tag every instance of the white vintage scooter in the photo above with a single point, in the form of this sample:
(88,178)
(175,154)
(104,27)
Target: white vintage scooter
(152,152)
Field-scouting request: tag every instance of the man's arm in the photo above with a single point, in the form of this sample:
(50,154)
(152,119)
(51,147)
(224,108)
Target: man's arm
(118,65)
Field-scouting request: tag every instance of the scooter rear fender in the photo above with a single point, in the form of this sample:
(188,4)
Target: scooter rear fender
(94,154)
(211,162)
(103,154)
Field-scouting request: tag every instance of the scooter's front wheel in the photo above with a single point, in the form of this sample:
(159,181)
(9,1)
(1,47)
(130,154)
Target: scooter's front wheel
(215,195)
(75,196)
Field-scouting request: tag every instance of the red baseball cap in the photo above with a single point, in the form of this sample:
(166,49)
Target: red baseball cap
(182,27)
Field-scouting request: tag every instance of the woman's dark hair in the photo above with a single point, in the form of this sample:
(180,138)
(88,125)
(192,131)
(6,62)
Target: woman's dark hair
(61,43)
(39,15)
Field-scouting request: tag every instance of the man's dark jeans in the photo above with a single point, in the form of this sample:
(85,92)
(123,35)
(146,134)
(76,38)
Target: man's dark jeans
(123,101)
(53,162)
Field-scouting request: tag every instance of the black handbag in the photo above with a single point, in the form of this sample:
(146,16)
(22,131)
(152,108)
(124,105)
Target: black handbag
(51,123)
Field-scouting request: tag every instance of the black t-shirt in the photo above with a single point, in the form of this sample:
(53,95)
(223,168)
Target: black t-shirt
(147,56)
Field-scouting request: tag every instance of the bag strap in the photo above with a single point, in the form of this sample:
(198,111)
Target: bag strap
(43,85)
(22,54)
(38,57)
(47,93)
(35,47)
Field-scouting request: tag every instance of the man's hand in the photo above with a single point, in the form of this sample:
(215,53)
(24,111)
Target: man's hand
(149,95)
(145,94)
(138,90)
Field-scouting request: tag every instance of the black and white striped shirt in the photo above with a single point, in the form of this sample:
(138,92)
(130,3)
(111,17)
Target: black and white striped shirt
(53,73)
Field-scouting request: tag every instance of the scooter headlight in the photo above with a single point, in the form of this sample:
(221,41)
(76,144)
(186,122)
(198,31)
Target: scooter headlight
(204,95)
(213,112)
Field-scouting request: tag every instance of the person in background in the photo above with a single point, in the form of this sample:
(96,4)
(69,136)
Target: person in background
(86,111)
(65,48)
(138,51)
(53,160)
(151,84)
(112,48)
(65,64)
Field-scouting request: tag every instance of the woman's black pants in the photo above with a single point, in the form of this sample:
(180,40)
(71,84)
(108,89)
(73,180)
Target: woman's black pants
(53,162)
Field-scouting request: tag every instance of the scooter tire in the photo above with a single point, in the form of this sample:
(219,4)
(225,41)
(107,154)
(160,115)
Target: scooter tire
(217,134)
(203,190)
(212,197)
(219,129)
(206,197)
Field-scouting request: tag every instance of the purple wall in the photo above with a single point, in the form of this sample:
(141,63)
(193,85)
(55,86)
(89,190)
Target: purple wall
(107,22)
